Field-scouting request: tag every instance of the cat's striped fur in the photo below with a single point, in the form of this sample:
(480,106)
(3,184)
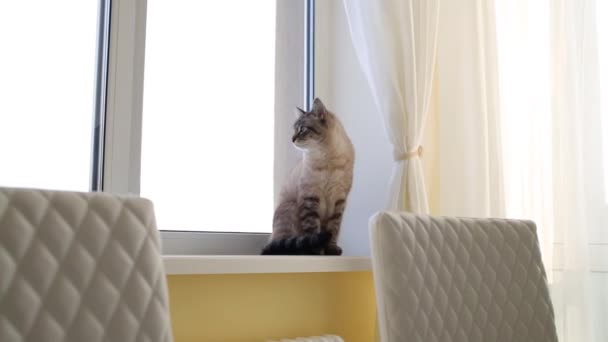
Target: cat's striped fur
(312,201)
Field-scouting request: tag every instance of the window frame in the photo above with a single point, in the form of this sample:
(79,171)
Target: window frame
(101,80)
(116,163)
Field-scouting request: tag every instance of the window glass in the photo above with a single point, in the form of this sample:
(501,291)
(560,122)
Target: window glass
(208,114)
(47,80)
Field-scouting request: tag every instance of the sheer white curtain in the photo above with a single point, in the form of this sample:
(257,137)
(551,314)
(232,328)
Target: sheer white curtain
(395,42)
(552,140)
(470,166)
(521,89)
(523,86)
(580,202)
(524,62)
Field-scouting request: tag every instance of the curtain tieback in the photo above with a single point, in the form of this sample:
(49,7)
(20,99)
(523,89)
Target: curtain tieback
(411,154)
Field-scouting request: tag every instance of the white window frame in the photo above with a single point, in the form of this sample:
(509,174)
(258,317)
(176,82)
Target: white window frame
(119,104)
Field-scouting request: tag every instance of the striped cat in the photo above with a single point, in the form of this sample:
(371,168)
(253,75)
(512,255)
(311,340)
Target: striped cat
(312,201)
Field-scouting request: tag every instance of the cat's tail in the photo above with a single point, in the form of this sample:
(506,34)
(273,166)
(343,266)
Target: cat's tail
(298,245)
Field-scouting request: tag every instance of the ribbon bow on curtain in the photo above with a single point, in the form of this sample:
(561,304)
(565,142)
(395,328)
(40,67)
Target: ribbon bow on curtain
(411,154)
(395,42)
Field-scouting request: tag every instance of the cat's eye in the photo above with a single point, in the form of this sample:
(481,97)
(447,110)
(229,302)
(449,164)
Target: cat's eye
(303,130)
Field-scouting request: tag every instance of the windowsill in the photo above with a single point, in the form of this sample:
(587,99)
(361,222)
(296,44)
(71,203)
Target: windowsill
(247,264)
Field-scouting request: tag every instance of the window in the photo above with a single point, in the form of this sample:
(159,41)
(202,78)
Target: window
(221,82)
(208,114)
(47,93)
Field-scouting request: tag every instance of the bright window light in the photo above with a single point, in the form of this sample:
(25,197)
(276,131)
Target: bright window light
(47,80)
(208,116)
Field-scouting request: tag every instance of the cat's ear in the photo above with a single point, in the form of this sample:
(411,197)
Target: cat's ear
(299,111)
(318,108)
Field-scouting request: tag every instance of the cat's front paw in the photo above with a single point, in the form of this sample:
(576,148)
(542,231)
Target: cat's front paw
(333,250)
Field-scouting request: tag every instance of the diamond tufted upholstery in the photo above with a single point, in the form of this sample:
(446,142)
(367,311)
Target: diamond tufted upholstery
(78,267)
(459,280)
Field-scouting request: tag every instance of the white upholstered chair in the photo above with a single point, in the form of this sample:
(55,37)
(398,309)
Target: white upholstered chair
(78,267)
(459,280)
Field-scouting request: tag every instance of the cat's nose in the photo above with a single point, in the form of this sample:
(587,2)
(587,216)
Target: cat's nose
(294,138)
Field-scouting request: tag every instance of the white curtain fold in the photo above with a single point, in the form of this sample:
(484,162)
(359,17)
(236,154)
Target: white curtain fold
(395,42)
(470,145)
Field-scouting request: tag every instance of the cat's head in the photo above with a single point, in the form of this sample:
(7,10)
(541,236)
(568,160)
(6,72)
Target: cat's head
(311,128)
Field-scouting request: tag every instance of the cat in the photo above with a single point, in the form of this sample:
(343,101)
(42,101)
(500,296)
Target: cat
(312,201)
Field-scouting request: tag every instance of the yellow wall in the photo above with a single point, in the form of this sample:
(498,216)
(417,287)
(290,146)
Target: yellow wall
(258,307)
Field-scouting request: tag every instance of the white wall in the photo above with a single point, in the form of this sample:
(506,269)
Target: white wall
(342,87)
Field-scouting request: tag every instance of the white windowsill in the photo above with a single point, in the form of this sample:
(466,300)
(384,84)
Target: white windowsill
(247,264)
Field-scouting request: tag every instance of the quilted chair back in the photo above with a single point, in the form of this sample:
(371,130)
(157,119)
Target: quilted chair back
(459,280)
(78,267)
